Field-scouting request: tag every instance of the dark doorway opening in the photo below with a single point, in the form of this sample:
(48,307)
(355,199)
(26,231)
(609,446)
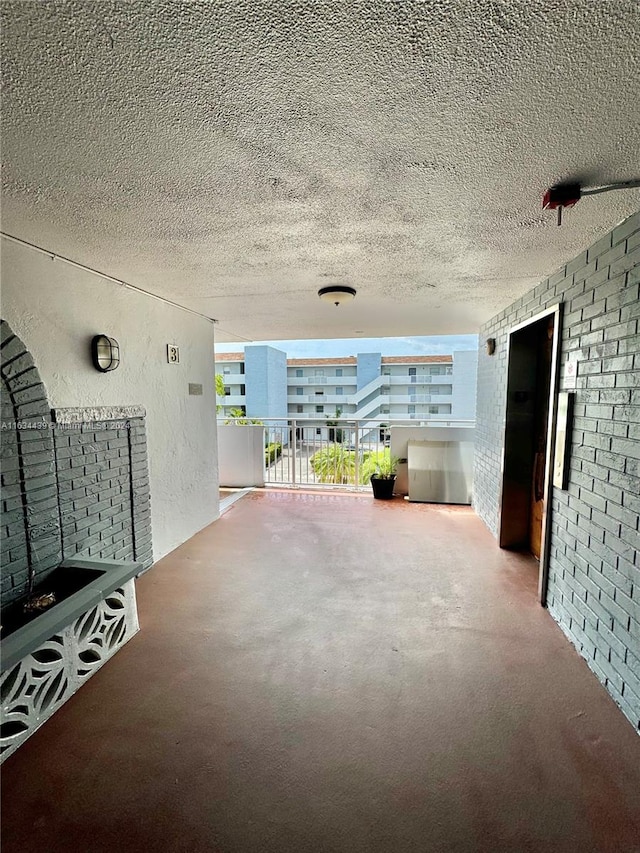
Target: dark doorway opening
(529,430)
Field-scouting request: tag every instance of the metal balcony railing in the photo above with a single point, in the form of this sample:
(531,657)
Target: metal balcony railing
(325,452)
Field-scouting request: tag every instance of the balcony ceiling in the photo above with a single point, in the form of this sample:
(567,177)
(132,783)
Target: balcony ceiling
(235,156)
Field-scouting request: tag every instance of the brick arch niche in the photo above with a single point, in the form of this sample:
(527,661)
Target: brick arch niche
(74,481)
(31,526)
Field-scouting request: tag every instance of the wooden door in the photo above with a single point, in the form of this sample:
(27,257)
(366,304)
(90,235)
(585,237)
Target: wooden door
(543,380)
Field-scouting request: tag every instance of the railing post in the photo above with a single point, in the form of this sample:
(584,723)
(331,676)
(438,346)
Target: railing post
(356,444)
(294,452)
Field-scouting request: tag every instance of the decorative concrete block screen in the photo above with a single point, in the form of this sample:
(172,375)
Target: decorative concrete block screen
(74,481)
(594,578)
(35,688)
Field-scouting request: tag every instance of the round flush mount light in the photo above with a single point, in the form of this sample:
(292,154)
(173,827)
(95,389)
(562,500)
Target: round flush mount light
(105,353)
(337,293)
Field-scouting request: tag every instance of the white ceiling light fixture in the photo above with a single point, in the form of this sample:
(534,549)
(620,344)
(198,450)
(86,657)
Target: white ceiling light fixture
(337,293)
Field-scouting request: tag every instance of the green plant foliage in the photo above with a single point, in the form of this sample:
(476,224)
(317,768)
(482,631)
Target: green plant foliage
(334,464)
(219,389)
(381,464)
(272,452)
(335,434)
(238,417)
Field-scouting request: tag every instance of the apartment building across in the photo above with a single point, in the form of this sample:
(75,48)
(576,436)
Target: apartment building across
(264,383)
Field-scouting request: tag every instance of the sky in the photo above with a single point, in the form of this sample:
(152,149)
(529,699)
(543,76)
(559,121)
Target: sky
(436,345)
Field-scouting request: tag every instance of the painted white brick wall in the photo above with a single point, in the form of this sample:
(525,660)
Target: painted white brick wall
(594,577)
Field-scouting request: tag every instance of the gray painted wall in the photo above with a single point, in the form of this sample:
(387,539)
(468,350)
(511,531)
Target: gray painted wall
(594,579)
(30,516)
(103,489)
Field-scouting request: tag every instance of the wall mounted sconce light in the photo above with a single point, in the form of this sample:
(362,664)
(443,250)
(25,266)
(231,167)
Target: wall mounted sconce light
(105,353)
(337,293)
(491,346)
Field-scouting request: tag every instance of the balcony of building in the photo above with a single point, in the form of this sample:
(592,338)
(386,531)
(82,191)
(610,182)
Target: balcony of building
(347,381)
(405,399)
(320,399)
(328,672)
(422,379)
(232,400)
(316,450)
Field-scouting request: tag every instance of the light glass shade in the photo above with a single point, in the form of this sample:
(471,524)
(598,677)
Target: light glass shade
(105,353)
(337,293)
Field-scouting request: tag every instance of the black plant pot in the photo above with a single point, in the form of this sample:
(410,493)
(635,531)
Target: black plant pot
(383,487)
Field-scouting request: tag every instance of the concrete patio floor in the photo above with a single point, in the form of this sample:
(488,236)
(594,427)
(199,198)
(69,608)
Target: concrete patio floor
(322,672)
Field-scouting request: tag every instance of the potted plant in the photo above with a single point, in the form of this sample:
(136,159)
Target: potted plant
(382,466)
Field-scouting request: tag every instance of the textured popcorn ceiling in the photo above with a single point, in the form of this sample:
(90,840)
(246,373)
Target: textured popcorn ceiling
(235,156)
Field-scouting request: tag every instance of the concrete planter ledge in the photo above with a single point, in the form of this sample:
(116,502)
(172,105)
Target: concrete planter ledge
(109,575)
(46,660)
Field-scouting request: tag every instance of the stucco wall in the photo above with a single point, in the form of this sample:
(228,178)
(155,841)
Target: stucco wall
(266,382)
(56,309)
(369,365)
(594,570)
(465,376)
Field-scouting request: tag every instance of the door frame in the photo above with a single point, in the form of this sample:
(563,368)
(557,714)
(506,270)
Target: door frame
(554,386)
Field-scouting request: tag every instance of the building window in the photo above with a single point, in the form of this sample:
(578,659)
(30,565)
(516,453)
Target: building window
(338,371)
(412,410)
(299,391)
(243,390)
(299,409)
(318,431)
(412,371)
(433,410)
(319,372)
(319,408)
(242,367)
(298,372)
(339,392)
(227,391)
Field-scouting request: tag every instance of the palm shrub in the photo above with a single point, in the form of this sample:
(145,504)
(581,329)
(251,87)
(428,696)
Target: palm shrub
(272,452)
(219,389)
(378,464)
(238,417)
(336,435)
(334,464)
